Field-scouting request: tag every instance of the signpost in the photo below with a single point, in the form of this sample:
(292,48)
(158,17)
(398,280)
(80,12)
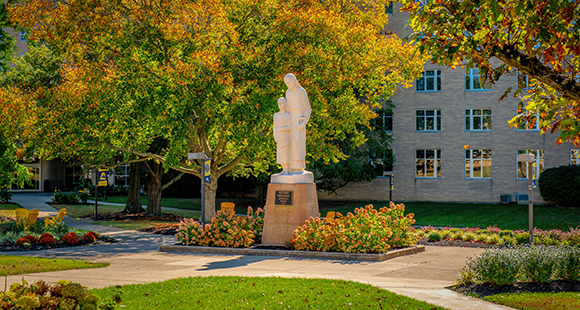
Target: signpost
(530,159)
(101,179)
(205,178)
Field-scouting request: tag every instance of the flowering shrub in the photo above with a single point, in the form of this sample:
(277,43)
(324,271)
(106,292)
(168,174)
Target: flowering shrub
(90,237)
(83,195)
(225,230)
(32,239)
(70,238)
(367,231)
(21,241)
(47,239)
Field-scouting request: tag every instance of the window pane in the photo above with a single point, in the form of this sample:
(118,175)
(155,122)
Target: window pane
(487,154)
(467,167)
(420,123)
(476,84)
(522,170)
(476,168)
(420,154)
(467,154)
(476,123)
(438,168)
(476,154)
(467,123)
(439,123)
(430,84)
(420,164)
(420,112)
(420,84)
(430,153)
(486,169)
(477,112)
(487,112)
(389,123)
(467,82)
(439,81)
(430,73)
(430,112)
(430,168)
(487,123)
(430,125)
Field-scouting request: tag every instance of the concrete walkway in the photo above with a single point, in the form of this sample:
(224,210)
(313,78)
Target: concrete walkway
(136,259)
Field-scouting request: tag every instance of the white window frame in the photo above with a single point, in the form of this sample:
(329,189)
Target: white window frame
(473,75)
(435,161)
(575,157)
(475,157)
(540,159)
(436,77)
(436,118)
(125,175)
(470,118)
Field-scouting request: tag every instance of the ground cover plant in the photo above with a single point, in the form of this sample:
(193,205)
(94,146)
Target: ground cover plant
(496,236)
(537,301)
(15,265)
(366,231)
(259,293)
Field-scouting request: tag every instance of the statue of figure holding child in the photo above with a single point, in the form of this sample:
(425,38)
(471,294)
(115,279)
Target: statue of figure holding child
(290,133)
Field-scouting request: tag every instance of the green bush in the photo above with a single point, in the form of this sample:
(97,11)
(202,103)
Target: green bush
(5,194)
(522,238)
(499,267)
(560,185)
(61,198)
(434,236)
(535,263)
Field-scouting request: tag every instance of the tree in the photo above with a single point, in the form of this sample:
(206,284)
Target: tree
(159,79)
(539,38)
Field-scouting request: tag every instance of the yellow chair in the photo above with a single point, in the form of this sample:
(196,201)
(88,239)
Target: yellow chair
(227,207)
(49,221)
(21,214)
(32,217)
(330,215)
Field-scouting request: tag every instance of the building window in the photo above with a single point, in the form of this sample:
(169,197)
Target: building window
(427,163)
(122,175)
(533,124)
(382,163)
(523,80)
(477,119)
(389,7)
(473,81)
(522,167)
(477,164)
(383,121)
(575,157)
(22,36)
(428,120)
(430,81)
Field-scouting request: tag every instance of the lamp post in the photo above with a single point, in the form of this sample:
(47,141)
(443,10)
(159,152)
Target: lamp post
(201,156)
(529,158)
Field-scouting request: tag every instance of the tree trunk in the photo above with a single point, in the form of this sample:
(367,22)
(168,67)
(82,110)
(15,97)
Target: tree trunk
(134,195)
(210,192)
(154,187)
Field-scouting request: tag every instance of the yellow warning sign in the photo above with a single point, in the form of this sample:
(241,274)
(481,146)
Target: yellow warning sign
(102,177)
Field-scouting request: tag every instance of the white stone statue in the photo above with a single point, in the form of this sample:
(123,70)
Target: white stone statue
(282,134)
(294,113)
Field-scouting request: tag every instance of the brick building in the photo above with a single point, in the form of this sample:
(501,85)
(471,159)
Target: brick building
(453,141)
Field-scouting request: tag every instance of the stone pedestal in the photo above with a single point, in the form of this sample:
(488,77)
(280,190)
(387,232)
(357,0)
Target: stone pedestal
(287,207)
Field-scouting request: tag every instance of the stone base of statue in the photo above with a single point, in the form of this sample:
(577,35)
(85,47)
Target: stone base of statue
(287,207)
(305,177)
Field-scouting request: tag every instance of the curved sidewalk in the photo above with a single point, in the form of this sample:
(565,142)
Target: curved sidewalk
(135,259)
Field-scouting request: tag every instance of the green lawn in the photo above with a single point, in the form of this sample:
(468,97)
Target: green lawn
(538,301)
(509,216)
(191,203)
(9,206)
(14,265)
(259,293)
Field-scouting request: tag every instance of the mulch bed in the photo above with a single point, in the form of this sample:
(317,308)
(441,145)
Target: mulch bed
(483,290)
(456,243)
(9,246)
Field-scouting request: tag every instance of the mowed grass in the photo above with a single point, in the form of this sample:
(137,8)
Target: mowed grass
(538,301)
(192,203)
(15,265)
(76,211)
(259,293)
(509,216)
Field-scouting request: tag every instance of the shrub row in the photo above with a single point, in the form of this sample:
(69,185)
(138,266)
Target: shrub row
(498,236)
(61,198)
(535,263)
(366,231)
(70,238)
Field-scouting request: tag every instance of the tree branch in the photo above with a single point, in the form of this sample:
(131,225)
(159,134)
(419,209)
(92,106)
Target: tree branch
(172,181)
(229,166)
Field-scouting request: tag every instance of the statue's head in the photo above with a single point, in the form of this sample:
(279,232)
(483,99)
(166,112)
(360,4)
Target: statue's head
(282,103)
(291,81)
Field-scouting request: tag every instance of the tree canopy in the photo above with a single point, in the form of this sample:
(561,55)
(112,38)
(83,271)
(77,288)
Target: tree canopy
(539,38)
(158,79)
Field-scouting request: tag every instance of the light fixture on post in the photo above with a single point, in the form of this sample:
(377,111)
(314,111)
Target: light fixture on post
(529,158)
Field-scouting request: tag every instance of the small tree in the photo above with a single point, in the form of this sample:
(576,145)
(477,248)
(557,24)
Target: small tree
(561,185)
